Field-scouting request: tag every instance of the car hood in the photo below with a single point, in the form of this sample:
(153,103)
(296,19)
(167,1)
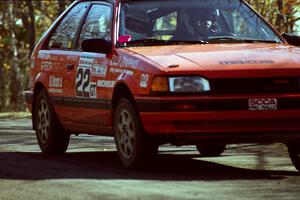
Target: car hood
(213,58)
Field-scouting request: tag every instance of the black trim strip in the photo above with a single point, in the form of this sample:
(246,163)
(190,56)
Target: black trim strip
(28,97)
(82,102)
(207,105)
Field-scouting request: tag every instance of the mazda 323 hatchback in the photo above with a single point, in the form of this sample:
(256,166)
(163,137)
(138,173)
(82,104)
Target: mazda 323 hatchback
(186,72)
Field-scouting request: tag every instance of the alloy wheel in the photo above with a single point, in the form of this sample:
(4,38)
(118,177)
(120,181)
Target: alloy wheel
(126,134)
(43,125)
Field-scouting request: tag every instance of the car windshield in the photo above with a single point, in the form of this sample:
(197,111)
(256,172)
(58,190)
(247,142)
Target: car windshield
(190,21)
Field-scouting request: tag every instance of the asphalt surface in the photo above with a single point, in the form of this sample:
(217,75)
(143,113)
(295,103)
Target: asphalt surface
(91,170)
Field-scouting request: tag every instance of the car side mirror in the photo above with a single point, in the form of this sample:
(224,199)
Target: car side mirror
(96,46)
(292,39)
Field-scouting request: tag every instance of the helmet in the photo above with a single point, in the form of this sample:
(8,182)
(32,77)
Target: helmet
(202,20)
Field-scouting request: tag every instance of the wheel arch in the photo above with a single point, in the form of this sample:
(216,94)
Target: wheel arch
(121,90)
(37,88)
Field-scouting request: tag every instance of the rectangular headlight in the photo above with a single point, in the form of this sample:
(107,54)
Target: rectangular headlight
(188,84)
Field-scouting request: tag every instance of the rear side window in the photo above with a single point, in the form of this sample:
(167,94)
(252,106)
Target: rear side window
(97,24)
(63,36)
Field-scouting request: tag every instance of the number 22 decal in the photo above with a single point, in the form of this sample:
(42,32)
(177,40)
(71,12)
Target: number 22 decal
(84,88)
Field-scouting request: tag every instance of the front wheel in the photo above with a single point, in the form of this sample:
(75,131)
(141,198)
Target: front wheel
(294,151)
(52,138)
(133,149)
(210,150)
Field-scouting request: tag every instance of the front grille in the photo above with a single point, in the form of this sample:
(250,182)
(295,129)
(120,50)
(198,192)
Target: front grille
(255,85)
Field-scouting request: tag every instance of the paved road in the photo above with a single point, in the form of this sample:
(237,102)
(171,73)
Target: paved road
(91,170)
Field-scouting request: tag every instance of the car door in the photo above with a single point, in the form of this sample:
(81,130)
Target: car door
(58,59)
(92,68)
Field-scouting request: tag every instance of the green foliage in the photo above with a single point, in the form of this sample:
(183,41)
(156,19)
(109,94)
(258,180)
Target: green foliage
(18,35)
(282,14)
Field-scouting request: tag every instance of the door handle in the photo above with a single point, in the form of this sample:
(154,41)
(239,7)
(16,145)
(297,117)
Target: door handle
(70,66)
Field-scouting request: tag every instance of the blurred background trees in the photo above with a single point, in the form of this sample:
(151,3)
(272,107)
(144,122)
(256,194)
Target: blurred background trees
(282,14)
(22,23)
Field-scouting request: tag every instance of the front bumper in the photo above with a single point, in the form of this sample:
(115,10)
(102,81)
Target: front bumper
(222,118)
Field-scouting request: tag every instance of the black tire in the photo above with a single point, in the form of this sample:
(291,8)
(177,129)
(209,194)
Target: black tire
(294,151)
(133,148)
(52,138)
(210,150)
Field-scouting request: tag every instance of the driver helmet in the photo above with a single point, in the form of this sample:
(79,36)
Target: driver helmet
(203,20)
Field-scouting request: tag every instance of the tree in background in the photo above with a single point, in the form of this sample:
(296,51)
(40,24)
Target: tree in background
(282,14)
(23,22)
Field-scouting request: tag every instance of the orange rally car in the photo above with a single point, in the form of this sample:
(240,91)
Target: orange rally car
(193,72)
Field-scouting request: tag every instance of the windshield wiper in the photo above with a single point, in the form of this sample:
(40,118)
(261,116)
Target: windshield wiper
(190,41)
(238,40)
(153,41)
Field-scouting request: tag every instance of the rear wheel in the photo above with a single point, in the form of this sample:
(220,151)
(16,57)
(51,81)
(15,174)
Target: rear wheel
(210,150)
(133,148)
(52,138)
(294,151)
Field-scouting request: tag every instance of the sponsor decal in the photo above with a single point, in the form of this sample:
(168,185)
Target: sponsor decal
(144,80)
(46,66)
(93,90)
(55,90)
(56,58)
(55,82)
(62,59)
(99,70)
(72,58)
(83,85)
(130,62)
(115,61)
(105,84)
(240,62)
(43,55)
(262,104)
(83,82)
(120,71)
(86,61)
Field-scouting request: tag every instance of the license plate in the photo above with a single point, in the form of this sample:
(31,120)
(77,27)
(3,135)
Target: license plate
(262,104)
